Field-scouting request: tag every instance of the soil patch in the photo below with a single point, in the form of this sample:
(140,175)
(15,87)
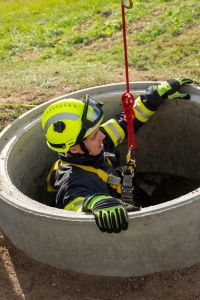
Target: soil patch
(23,278)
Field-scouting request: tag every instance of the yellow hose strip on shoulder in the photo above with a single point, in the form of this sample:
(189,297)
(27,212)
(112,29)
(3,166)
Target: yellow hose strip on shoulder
(75,205)
(142,113)
(115,131)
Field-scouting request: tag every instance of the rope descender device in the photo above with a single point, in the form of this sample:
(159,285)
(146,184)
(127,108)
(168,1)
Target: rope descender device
(128,104)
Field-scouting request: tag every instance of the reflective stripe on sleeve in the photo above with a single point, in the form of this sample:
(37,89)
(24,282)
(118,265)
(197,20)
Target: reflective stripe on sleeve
(75,205)
(115,131)
(141,112)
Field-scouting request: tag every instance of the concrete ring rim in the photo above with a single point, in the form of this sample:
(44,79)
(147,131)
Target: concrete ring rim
(39,208)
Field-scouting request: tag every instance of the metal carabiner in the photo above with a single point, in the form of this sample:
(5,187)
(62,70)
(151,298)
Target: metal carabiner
(128,6)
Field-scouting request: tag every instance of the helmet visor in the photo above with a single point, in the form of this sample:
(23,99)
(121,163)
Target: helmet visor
(91,118)
(92,112)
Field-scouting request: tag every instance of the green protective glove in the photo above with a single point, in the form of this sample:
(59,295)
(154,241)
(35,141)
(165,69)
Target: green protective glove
(183,80)
(110,213)
(170,89)
(179,95)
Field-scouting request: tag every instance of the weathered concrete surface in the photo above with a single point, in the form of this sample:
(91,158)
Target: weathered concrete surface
(161,237)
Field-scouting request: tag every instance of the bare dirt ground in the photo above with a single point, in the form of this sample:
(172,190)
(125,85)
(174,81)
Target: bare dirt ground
(23,278)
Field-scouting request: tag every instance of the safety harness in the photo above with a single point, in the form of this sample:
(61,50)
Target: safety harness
(113,181)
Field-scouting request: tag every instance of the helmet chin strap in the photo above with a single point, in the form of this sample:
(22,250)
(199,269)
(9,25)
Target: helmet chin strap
(83,148)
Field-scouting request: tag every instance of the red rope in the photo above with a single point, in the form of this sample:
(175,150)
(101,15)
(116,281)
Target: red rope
(125,48)
(127,98)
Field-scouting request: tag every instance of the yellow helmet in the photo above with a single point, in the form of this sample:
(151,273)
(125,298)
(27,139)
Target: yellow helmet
(67,122)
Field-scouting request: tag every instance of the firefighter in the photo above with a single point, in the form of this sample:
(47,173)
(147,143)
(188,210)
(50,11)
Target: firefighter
(85,177)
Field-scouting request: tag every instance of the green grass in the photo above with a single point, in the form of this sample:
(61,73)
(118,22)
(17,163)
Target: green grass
(51,47)
(59,28)
(171,23)
(49,24)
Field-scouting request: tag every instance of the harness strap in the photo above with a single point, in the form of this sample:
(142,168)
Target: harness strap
(55,166)
(113,181)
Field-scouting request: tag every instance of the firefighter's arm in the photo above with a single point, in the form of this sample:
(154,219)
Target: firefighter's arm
(147,104)
(116,129)
(170,89)
(110,213)
(145,107)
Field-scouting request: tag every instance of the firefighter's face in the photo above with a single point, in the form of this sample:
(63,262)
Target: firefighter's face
(94,142)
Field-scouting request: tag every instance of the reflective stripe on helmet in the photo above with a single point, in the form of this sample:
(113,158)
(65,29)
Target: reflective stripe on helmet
(141,112)
(58,117)
(115,131)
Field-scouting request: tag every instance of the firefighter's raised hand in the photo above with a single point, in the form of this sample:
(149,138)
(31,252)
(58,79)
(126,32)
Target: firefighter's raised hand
(171,89)
(182,81)
(110,213)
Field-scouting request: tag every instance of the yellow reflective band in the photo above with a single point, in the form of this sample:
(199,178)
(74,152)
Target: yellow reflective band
(142,113)
(75,205)
(115,131)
